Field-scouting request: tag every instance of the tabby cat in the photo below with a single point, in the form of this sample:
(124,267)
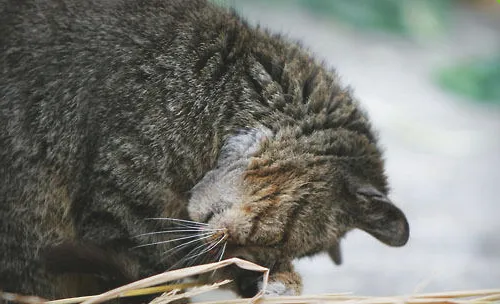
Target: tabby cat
(143,135)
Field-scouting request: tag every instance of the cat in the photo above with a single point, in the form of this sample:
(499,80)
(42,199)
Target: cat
(125,122)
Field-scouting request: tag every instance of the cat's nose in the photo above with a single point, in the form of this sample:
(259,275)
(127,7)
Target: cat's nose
(235,225)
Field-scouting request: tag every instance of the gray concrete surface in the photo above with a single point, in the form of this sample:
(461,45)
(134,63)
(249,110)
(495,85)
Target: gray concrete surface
(443,156)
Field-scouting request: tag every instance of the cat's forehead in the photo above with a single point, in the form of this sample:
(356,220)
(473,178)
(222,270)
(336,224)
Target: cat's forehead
(244,144)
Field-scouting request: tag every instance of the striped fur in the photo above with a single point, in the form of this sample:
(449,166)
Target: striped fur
(115,111)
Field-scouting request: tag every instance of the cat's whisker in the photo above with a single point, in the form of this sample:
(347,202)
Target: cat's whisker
(183,260)
(176,220)
(222,252)
(191,259)
(194,254)
(179,231)
(205,254)
(197,232)
(180,225)
(204,260)
(210,247)
(221,255)
(183,245)
(200,236)
(179,247)
(183,231)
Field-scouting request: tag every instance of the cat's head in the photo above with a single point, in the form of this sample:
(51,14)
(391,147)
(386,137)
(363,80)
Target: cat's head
(289,194)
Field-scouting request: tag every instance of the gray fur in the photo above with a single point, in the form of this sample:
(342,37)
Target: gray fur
(219,189)
(114,111)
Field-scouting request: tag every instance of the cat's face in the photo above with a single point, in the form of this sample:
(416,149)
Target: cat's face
(276,201)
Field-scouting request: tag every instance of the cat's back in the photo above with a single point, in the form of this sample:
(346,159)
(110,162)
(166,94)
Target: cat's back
(41,41)
(68,64)
(72,75)
(63,67)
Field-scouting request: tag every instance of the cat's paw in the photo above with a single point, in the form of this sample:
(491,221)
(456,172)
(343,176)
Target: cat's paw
(287,283)
(275,289)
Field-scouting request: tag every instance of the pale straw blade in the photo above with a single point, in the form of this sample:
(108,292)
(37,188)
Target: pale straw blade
(179,274)
(167,298)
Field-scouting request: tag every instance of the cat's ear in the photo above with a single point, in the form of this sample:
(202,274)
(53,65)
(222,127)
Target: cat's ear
(381,218)
(335,253)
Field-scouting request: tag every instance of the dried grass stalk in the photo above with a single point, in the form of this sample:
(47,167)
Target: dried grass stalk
(131,293)
(13,297)
(149,286)
(144,286)
(170,297)
(462,297)
(180,274)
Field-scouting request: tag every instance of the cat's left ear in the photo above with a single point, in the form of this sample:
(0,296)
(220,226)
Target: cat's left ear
(335,253)
(378,216)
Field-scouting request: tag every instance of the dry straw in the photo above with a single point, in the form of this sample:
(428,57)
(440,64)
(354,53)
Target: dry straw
(178,291)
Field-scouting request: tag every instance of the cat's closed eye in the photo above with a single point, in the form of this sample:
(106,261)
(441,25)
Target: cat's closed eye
(208,217)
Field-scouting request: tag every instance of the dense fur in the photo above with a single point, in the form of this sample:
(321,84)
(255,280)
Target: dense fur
(116,111)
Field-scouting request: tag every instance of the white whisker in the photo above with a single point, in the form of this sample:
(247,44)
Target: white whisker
(223,251)
(178,247)
(205,235)
(194,253)
(193,258)
(183,260)
(180,225)
(203,230)
(212,246)
(177,220)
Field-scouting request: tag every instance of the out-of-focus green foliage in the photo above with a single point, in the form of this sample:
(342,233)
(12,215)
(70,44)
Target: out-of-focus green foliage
(413,17)
(421,17)
(479,80)
(417,18)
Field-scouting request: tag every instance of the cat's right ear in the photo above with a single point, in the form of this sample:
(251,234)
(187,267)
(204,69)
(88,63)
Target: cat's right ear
(378,216)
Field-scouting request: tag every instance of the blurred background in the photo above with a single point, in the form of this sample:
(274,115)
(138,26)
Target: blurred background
(428,72)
